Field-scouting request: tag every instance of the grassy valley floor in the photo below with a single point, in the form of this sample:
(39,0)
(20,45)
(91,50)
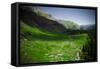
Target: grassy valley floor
(38,46)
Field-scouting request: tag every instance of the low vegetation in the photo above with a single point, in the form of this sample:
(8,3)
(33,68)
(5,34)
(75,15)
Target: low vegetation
(39,46)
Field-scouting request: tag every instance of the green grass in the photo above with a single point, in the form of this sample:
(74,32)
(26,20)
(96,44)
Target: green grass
(38,46)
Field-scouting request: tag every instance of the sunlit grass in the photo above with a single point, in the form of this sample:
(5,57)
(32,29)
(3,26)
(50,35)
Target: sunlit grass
(41,46)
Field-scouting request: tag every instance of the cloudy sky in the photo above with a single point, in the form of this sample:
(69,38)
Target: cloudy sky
(79,16)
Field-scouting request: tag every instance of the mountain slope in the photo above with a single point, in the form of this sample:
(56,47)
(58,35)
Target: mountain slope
(69,25)
(33,19)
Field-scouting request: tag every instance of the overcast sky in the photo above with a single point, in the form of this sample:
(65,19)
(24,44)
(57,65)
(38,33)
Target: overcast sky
(79,16)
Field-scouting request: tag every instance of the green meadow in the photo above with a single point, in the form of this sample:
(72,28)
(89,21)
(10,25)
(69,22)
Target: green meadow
(41,46)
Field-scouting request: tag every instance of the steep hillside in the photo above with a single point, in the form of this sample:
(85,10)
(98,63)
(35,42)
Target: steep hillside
(38,11)
(33,19)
